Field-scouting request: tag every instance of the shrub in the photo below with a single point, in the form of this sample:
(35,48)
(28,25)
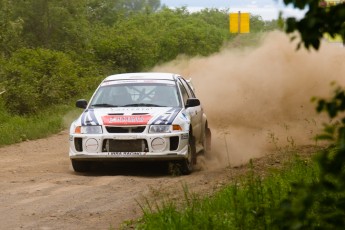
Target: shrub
(37,78)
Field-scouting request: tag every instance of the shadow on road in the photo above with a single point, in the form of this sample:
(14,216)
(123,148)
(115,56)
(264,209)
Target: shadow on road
(143,169)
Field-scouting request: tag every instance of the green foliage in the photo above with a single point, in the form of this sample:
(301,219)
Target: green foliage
(51,51)
(319,19)
(256,24)
(144,40)
(62,25)
(250,202)
(10,29)
(179,32)
(55,24)
(109,12)
(124,48)
(38,78)
(321,204)
(15,129)
(4,115)
(138,5)
(113,36)
(191,38)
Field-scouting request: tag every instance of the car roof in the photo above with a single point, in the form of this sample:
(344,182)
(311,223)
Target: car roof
(142,76)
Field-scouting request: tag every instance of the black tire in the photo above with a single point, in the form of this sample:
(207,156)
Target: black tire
(187,165)
(206,142)
(81,166)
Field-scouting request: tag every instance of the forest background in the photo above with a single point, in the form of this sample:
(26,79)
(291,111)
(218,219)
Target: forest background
(53,51)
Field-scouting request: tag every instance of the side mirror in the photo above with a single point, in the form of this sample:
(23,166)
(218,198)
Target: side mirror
(81,103)
(192,102)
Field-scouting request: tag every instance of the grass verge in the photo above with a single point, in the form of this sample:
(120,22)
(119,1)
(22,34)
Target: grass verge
(250,202)
(15,129)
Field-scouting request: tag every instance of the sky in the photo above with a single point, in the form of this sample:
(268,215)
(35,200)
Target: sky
(267,9)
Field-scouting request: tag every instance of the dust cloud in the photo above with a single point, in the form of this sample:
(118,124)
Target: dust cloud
(259,99)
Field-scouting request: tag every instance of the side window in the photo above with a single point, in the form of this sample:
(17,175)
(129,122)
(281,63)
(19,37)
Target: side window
(187,87)
(184,92)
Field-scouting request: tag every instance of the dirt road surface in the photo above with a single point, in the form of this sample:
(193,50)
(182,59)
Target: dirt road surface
(39,189)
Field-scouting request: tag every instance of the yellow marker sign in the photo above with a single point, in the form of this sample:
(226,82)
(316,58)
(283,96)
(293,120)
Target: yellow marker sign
(239,22)
(337,38)
(329,3)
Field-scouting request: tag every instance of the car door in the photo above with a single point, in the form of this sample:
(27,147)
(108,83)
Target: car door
(194,112)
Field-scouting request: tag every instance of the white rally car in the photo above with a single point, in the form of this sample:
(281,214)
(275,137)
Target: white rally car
(140,116)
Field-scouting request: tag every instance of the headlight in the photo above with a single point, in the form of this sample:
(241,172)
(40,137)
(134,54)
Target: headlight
(94,129)
(164,128)
(160,128)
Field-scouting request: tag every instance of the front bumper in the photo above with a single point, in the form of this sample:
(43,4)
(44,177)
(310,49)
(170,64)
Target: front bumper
(129,146)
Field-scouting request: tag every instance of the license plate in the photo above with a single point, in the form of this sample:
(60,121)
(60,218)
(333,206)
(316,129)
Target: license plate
(124,154)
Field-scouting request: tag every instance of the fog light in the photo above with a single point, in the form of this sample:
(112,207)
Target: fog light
(158,144)
(91,145)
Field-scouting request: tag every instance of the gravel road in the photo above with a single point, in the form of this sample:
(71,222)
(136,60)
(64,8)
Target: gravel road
(39,189)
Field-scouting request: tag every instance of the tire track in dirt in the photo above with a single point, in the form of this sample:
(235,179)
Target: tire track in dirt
(39,189)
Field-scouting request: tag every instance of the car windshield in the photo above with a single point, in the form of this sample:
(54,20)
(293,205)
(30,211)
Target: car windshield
(136,94)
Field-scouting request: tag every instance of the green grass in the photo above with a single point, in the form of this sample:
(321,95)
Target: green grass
(15,129)
(248,203)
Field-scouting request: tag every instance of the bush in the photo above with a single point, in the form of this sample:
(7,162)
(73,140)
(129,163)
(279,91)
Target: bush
(37,78)
(3,114)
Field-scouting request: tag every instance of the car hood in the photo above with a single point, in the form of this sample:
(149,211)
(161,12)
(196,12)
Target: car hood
(129,116)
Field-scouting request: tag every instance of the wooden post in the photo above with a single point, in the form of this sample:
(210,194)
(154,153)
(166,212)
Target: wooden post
(239,22)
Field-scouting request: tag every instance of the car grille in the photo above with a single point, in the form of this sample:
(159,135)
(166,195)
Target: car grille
(114,129)
(139,145)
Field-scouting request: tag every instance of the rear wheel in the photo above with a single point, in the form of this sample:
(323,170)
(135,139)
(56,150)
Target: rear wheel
(81,166)
(187,164)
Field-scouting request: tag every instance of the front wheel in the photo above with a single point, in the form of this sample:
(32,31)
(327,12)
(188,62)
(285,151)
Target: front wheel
(187,165)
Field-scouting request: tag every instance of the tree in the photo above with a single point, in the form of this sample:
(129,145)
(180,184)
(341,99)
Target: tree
(110,11)
(10,29)
(139,5)
(124,48)
(53,24)
(319,19)
(321,204)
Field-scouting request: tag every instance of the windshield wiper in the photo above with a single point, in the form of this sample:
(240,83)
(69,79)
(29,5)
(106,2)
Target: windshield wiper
(103,105)
(143,105)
